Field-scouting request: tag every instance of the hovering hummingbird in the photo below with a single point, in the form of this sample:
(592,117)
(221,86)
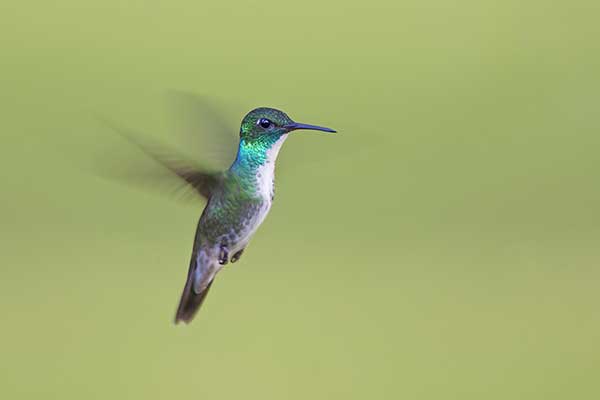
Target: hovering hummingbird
(238,200)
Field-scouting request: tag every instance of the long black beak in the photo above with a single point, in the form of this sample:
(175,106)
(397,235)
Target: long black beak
(296,125)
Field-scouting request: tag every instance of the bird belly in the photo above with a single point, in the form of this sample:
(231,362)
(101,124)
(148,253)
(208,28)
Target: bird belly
(247,227)
(236,237)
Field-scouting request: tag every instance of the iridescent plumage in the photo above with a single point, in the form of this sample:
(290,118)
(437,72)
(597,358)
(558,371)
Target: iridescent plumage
(238,202)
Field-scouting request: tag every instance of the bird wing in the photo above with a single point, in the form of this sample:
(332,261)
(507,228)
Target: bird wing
(201,180)
(203,125)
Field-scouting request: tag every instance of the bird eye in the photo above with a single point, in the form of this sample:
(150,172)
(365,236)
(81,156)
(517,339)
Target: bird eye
(265,123)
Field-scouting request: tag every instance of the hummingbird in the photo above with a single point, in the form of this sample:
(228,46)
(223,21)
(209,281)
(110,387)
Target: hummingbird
(237,200)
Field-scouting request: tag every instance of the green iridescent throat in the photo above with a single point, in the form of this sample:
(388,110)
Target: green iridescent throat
(253,154)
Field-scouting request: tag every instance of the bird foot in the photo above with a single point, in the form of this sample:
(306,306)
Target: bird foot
(223,255)
(237,256)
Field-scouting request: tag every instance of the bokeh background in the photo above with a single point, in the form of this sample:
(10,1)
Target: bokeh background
(445,244)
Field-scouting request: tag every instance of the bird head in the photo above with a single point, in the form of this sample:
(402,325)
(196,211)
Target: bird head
(264,122)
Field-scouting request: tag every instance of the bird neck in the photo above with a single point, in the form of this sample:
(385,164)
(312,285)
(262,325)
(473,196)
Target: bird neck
(252,156)
(255,161)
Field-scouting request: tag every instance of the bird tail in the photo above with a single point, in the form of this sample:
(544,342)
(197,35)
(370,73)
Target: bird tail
(199,281)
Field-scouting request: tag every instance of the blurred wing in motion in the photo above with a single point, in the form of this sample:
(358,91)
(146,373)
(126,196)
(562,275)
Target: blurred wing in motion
(204,127)
(201,180)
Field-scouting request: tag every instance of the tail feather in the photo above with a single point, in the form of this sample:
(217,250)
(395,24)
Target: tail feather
(190,300)
(190,304)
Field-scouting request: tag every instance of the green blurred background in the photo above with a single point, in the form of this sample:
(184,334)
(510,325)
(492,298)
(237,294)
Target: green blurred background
(445,244)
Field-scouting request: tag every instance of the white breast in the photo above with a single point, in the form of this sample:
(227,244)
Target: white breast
(266,172)
(265,181)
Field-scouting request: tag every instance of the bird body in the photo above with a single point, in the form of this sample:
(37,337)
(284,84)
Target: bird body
(239,199)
